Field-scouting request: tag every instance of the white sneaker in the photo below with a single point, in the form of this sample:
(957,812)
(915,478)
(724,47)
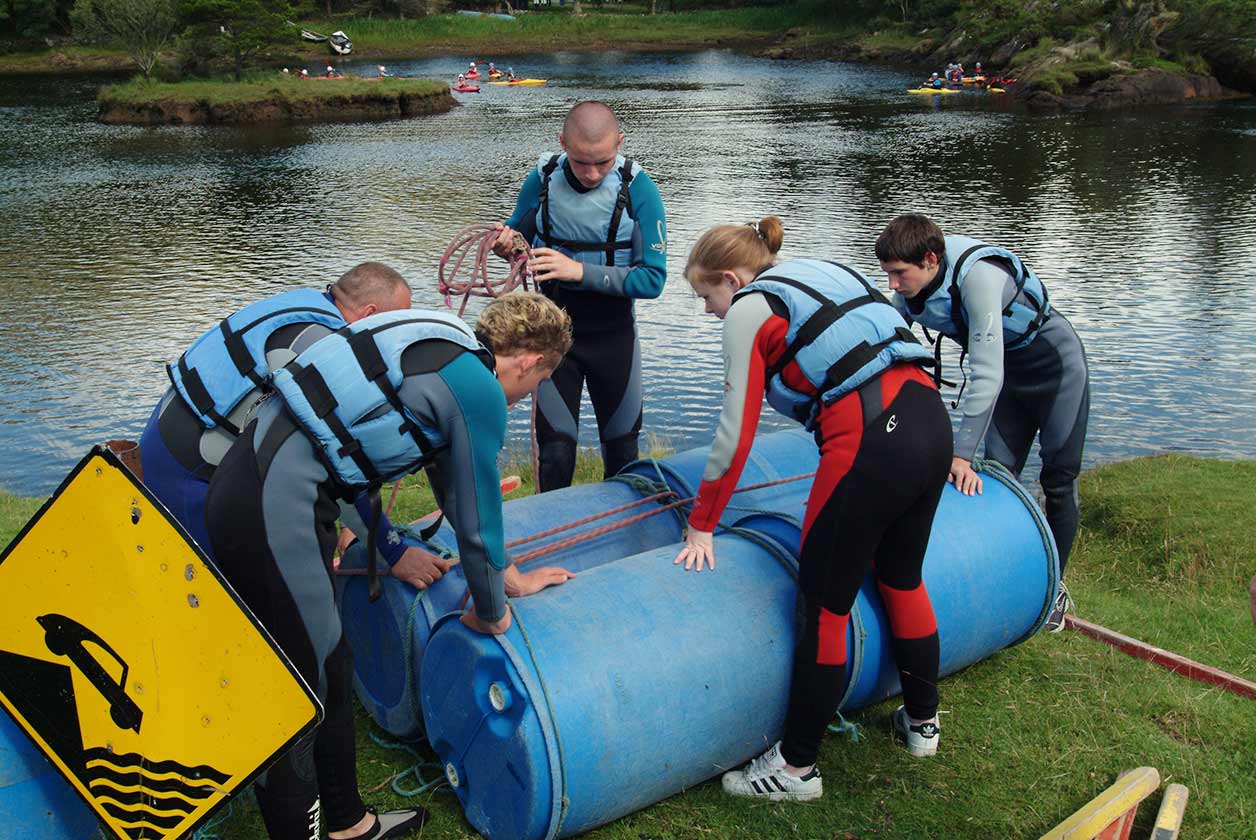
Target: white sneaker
(922,738)
(765,777)
(1063,604)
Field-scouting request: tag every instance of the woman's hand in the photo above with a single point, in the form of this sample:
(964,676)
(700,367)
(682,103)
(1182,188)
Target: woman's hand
(964,477)
(699,548)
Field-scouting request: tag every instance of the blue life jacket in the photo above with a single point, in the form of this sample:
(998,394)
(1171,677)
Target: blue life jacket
(842,333)
(944,309)
(343,392)
(592,226)
(229,361)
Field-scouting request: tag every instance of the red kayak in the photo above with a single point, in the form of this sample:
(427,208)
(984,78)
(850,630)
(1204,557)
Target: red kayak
(474,75)
(465,88)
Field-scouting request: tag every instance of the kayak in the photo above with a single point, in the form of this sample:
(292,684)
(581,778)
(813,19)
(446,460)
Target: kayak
(474,75)
(465,88)
(496,74)
(974,80)
(931,90)
(996,90)
(522,82)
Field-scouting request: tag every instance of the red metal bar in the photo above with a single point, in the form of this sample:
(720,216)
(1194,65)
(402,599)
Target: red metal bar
(1165,659)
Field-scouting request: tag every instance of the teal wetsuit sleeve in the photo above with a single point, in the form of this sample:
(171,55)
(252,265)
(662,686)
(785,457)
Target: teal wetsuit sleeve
(526,205)
(986,288)
(646,273)
(474,425)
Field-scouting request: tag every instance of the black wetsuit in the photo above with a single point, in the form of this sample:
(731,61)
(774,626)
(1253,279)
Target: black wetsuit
(272,511)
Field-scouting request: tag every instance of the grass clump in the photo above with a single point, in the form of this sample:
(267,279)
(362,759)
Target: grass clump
(259,89)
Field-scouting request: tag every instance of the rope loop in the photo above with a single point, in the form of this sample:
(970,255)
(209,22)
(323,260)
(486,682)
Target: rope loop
(476,241)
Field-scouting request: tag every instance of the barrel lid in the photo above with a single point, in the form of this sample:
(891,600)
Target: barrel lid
(488,721)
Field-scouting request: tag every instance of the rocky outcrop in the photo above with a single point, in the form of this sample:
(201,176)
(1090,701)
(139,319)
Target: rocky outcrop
(332,108)
(1145,87)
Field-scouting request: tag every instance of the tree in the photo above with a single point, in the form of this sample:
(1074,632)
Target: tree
(143,28)
(243,27)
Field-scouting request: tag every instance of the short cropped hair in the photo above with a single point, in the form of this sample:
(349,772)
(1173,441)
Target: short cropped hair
(526,322)
(369,282)
(908,238)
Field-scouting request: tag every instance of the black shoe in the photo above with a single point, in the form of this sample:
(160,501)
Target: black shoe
(392,824)
(1063,604)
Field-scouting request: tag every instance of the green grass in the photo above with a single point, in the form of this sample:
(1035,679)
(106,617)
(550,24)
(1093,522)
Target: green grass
(62,59)
(441,34)
(259,89)
(1032,733)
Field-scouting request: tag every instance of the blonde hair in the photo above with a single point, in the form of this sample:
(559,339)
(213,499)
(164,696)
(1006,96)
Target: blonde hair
(526,322)
(727,247)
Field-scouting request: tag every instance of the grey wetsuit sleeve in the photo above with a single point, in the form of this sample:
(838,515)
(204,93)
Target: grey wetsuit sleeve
(743,397)
(987,289)
(464,404)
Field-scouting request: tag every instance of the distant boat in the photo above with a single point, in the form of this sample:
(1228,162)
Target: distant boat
(312,36)
(340,43)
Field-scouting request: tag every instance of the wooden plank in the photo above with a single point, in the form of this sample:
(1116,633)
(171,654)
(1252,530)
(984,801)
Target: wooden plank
(1169,818)
(1109,815)
(1165,659)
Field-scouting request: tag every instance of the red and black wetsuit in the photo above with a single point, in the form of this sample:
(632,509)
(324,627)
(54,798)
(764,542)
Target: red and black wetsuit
(885,453)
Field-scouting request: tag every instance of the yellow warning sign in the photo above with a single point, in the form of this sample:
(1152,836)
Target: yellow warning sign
(133,665)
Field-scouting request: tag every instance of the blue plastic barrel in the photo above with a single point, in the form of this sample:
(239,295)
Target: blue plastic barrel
(613,691)
(35,799)
(775,456)
(636,680)
(964,576)
(388,637)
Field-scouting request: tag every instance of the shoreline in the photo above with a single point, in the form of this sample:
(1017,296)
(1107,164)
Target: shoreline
(1075,77)
(283,100)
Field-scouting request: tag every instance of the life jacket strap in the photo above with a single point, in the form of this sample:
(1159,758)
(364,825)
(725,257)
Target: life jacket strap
(860,355)
(199,394)
(323,403)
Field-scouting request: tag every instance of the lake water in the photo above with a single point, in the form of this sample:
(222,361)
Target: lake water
(120,245)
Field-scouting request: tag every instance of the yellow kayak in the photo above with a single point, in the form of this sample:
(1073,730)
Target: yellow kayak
(931,90)
(974,80)
(996,90)
(522,82)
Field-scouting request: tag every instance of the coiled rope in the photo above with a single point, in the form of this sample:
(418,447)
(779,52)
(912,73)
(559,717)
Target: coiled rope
(478,280)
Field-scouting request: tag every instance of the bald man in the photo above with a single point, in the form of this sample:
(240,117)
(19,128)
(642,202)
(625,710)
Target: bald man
(599,237)
(218,383)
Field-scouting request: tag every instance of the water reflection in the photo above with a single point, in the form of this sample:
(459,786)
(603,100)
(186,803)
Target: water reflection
(122,244)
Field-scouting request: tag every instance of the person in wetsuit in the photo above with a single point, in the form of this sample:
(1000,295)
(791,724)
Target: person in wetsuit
(218,382)
(596,224)
(1029,373)
(829,351)
(381,398)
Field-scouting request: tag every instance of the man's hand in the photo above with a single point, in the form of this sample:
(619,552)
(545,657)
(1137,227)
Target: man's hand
(419,568)
(964,477)
(519,584)
(342,545)
(548,264)
(488,628)
(504,245)
(699,548)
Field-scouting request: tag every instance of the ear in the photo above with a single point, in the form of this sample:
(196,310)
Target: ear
(731,280)
(529,362)
(619,144)
(561,144)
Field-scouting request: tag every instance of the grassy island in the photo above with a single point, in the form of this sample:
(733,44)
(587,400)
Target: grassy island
(1033,732)
(271,99)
